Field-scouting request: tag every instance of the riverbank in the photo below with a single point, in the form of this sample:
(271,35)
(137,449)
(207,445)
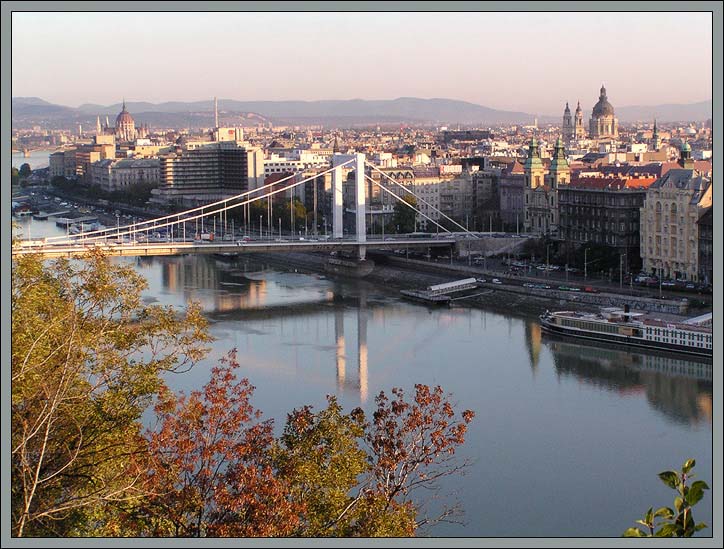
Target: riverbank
(400,274)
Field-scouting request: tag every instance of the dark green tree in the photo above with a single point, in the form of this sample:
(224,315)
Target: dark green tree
(25,171)
(403,218)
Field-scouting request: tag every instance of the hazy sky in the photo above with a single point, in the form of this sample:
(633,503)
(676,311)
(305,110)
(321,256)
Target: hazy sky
(531,62)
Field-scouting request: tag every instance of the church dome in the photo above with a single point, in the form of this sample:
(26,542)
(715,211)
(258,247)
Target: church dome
(603,107)
(124,117)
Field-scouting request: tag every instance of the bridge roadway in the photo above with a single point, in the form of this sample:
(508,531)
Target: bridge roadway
(183,248)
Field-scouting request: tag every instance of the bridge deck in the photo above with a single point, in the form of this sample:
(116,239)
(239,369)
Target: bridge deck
(182,248)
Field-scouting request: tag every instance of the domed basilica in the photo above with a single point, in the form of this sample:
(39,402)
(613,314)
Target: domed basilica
(603,123)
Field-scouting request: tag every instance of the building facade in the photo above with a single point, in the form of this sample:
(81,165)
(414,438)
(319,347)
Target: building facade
(210,172)
(539,200)
(706,246)
(512,196)
(603,211)
(117,175)
(669,221)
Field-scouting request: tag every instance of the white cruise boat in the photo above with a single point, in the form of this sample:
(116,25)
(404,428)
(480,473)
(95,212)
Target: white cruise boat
(623,327)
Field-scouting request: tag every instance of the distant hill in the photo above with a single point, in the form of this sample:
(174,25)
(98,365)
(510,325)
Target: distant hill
(34,106)
(412,110)
(666,113)
(403,109)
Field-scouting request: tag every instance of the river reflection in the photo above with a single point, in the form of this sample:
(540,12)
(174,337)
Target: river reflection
(680,388)
(541,404)
(567,439)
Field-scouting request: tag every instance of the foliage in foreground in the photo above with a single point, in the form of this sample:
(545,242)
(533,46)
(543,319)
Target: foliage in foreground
(87,357)
(87,362)
(664,522)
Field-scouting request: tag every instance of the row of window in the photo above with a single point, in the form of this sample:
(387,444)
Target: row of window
(591,326)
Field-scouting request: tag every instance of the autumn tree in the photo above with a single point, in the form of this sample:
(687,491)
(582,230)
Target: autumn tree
(210,471)
(87,355)
(358,478)
(411,445)
(215,468)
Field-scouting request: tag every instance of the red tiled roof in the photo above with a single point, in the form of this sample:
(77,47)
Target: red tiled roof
(639,182)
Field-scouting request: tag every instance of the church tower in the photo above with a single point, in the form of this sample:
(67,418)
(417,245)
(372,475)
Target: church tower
(533,167)
(560,172)
(685,160)
(536,198)
(656,140)
(580,129)
(568,132)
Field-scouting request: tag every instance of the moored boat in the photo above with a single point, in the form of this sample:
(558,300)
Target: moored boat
(627,328)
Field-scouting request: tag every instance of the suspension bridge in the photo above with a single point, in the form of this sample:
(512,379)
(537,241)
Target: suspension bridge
(189,232)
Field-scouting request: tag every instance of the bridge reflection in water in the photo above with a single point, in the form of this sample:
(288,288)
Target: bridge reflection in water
(229,291)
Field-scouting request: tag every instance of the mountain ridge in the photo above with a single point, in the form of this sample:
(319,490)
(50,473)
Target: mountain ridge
(401,109)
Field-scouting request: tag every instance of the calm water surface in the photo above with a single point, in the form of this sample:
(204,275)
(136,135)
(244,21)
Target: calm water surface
(36,159)
(567,439)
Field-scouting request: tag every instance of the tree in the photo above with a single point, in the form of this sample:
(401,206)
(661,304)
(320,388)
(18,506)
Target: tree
(412,446)
(403,217)
(215,469)
(679,524)
(14,176)
(320,459)
(357,478)
(209,468)
(86,358)
(25,171)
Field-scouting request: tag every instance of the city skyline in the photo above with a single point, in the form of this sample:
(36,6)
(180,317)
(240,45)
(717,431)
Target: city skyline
(185,57)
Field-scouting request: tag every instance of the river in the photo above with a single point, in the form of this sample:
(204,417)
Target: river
(567,440)
(37,159)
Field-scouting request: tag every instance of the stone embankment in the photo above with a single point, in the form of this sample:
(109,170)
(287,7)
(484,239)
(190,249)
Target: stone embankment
(401,274)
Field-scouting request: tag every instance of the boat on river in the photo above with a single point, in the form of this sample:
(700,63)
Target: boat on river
(623,327)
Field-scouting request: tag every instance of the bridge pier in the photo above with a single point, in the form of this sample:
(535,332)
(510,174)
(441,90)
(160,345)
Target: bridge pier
(337,211)
(361,196)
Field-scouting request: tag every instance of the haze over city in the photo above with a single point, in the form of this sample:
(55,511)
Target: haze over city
(374,55)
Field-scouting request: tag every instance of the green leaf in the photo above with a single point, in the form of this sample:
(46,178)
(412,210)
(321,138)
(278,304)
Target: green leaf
(678,504)
(699,526)
(643,523)
(666,531)
(665,512)
(634,533)
(649,518)
(696,492)
(670,478)
(688,465)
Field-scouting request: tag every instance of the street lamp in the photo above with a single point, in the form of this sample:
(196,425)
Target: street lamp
(585,264)
(261,235)
(620,270)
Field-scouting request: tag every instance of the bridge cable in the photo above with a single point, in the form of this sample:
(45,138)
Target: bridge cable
(177,215)
(422,200)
